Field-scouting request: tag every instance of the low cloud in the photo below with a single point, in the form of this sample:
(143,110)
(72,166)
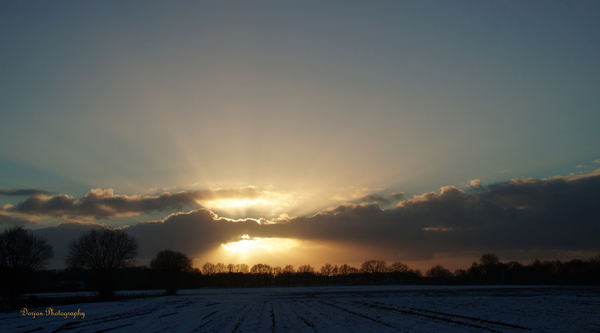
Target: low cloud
(398,195)
(21,192)
(553,215)
(475,183)
(10,220)
(375,198)
(192,233)
(103,204)
(356,194)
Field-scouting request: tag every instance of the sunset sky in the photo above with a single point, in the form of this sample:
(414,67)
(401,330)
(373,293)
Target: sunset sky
(305,132)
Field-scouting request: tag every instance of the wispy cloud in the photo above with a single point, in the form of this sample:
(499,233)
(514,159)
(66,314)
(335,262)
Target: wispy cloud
(8,220)
(21,192)
(475,183)
(375,198)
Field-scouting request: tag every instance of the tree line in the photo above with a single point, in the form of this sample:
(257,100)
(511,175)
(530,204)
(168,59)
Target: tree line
(102,260)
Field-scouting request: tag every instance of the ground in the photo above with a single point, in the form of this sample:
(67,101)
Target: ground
(331,309)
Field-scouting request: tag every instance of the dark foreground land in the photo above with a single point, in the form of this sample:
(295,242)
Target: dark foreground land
(330,309)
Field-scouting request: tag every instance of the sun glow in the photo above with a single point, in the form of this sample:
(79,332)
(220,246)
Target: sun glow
(240,203)
(262,204)
(256,244)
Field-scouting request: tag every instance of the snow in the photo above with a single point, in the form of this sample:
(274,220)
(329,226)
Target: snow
(332,309)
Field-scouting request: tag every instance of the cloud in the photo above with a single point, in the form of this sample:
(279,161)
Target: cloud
(364,195)
(475,183)
(8,220)
(555,215)
(398,195)
(376,198)
(192,233)
(21,192)
(597,161)
(60,236)
(103,204)
(356,194)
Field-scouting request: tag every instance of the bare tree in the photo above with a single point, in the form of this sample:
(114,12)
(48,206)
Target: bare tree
(489,259)
(263,272)
(307,272)
(344,271)
(171,264)
(209,270)
(327,271)
(374,268)
(288,272)
(491,268)
(277,273)
(335,273)
(231,268)
(399,269)
(306,269)
(103,251)
(242,268)
(221,268)
(21,252)
(439,272)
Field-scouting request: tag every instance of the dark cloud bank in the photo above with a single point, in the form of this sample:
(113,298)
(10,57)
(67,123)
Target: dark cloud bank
(103,204)
(21,192)
(552,215)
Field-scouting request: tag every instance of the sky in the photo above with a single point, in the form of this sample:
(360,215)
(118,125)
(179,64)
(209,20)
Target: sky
(305,132)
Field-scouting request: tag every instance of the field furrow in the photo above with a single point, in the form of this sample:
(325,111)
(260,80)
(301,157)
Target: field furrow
(341,309)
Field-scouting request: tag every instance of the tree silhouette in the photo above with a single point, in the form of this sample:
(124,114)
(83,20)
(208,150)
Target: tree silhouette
(21,253)
(171,265)
(242,268)
(209,270)
(307,273)
(489,259)
(231,268)
(439,272)
(345,270)
(220,268)
(399,270)
(277,274)
(374,269)
(288,272)
(102,252)
(262,272)
(491,268)
(327,271)
(335,272)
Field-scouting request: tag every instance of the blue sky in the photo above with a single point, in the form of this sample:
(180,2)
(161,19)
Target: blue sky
(314,104)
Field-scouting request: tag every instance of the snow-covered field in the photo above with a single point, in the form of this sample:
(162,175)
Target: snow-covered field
(332,309)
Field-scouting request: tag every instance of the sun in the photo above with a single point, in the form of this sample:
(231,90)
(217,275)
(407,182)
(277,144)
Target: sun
(248,245)
(240,203)
(266,206)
